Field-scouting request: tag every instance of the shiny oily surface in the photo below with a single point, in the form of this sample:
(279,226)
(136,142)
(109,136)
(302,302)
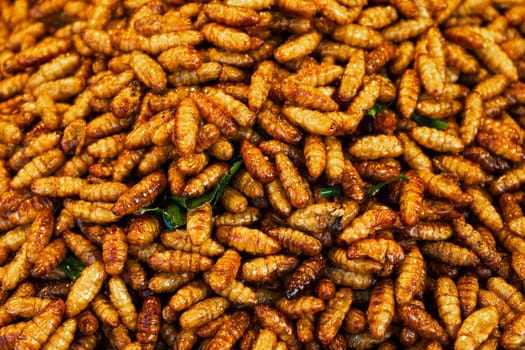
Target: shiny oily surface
(300,174)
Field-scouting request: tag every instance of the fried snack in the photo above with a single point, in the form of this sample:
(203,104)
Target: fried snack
(381,308)
(331,319)
(274,320)
(114,250)
(364,225)
(306,274)
(85,288)
(477,327)
(422,322)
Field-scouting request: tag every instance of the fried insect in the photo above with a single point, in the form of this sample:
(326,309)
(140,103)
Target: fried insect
(105,310)
(121,300)
(252,241)
(381,309)
(203,312)
(296,241)
(331,319)
(380,249)
(188,295)
(305,275)
(477,327)
(369,222)
(450,253)
(447,300)
(141,194)
(49,258)
(277,322)
(422,322)
(37,331)
(40,166)
(179,261)
(296,187)
(256,163)
(298,47)
(199,223)
(226,38)
(372,147)
(114,250)
(230,331)
(268,268)
(85,288)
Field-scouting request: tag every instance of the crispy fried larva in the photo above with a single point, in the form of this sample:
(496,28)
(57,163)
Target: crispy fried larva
(338,257)
(300,307)
(266,339)
(188,295)
(473,239)
(331,319)
(277,322)
(477,327)
(372,147)
(357,35)
(95,212)
(422,322)
(409,88)
(231,331)
(239,111)
(296,241)
(260,84)
(467,171)
(367,223)
(381,308)
(42,165)
(226,38)
(307,96)
(411,198)
(484,209)
(352,76)
(306,274)
(447,300)
(437,140)
(121,300)
(85,288)
(39,233)
(297,48)
(252,241)
(63,336)
(316,122)
(297,188)
(141,194)
(268,268)
(49,257)
(199,223)
(37,331)
(104,310)
(410,281)
(114,250)
(450,253)
(179,261)
(256,163)
(203,312)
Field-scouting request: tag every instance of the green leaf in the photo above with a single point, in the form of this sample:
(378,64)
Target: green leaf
(376,108)
(174,209)
(373,190)
(432,123)
(331,191)
(225,180)
(172,213)
(71,266)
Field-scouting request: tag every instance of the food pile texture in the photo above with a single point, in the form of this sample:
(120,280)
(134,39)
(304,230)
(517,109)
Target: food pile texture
(262,174)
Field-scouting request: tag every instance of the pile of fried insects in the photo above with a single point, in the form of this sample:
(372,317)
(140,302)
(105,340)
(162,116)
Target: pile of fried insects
(262,174)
